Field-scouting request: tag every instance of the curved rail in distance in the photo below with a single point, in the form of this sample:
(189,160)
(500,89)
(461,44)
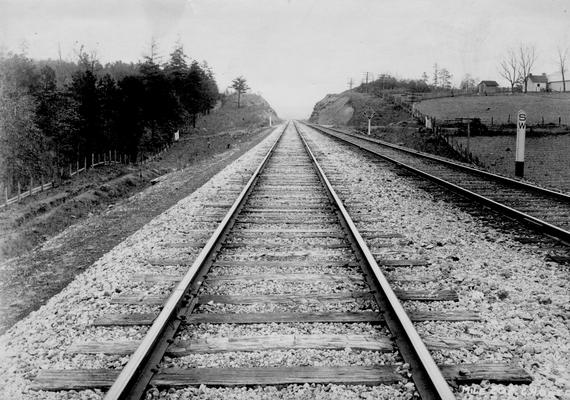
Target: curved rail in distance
(467,168)
(537,223)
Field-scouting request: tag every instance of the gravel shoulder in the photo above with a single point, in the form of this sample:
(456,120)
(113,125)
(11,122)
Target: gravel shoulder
(524,299)
(28,281)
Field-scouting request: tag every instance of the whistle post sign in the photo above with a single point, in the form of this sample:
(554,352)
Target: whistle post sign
(519,152)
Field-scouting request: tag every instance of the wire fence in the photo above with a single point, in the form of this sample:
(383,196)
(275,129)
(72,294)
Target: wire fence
(22,190)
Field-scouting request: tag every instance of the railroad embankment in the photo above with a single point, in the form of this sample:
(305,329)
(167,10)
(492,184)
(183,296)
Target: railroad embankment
(82,214)
(547,155)
(390,122)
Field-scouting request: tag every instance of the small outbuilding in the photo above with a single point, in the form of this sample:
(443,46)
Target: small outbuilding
(537,83)
(487,87)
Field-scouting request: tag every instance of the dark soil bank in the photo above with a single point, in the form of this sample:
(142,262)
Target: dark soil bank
(103,217)
(547,158)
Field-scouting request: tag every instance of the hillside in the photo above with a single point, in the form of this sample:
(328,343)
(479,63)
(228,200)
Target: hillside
(347,108)
(254,112)
(547,155)
(35,219)
(94,211)
(391,122)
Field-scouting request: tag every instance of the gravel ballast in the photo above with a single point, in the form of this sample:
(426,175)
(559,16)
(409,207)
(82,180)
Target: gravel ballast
(40,340)
(524,300)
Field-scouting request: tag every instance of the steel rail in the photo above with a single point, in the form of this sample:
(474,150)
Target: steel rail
(135,376)
(514,182)
(427,376)
(534,222)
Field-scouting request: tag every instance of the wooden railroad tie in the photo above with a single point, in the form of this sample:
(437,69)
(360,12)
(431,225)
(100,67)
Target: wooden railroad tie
(418,295)
(230,377)
(283,317)
(278,342)
(247,344)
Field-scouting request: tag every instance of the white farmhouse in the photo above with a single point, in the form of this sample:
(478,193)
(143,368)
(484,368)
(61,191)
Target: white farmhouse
(537,83)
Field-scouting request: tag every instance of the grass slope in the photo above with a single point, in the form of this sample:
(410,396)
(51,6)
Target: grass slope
(254,112)
(95,211)
(29,223)
(537,106)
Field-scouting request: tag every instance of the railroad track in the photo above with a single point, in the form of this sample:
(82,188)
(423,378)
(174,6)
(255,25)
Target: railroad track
(285,274)
(545,210)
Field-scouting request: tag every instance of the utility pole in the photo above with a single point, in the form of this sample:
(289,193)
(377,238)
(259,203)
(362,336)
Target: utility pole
(366,81)
(350,83)
(382,76)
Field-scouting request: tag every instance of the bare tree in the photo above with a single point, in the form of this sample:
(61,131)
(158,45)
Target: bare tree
(562,56)
(527,58)
(445,78)
(468,83)
(240,86)
(435,75)
(509,69)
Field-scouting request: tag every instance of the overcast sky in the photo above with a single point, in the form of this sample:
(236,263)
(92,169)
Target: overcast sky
(294,52)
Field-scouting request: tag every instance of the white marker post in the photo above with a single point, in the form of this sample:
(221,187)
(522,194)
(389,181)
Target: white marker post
(270,123)
(519,152)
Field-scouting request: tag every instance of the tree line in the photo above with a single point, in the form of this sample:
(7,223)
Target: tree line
(518,64)
(386,82)
(54,113)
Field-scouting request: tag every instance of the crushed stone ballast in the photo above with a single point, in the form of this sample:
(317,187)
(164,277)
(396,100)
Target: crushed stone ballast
(287,264)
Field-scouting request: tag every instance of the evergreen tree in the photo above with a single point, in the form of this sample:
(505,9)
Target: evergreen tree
(83,90)
(130,115)
(240,86)
(161,106)
(108,97)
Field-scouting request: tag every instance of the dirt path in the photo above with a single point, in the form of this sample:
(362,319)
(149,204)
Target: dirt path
(28,281)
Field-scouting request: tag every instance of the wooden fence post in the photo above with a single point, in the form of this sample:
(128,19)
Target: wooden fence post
(31,185)
(6,194)
(85,164)
(19,190)
(92,160)
(70,172)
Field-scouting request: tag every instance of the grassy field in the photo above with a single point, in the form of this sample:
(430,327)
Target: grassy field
(547,158)
(547,105)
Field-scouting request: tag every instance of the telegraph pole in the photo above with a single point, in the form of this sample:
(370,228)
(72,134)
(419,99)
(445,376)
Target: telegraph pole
(350,83)
(366,81)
